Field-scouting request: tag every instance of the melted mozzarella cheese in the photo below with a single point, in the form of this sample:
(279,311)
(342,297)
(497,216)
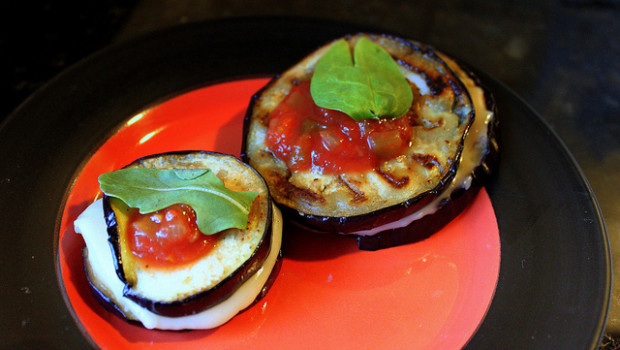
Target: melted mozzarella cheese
(91,225)
(416,79)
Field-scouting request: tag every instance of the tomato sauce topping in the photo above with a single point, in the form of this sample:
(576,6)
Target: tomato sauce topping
(306,136)
(167,237)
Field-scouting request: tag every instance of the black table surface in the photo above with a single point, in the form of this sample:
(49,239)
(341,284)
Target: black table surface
(560,56)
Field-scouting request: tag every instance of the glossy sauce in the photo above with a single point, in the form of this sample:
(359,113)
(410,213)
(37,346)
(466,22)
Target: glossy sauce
(168,237)
(306,136)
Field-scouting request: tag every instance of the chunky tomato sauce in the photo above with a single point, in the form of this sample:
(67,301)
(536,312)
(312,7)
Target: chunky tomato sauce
(167,237)
(306,136)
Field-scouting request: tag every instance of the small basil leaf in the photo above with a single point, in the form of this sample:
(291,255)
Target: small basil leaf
(217,207)
(366,84)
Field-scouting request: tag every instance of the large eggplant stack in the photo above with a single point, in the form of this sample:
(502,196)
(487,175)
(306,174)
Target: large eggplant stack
(443,159)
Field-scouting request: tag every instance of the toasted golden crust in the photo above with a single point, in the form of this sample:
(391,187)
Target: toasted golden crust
(441,114)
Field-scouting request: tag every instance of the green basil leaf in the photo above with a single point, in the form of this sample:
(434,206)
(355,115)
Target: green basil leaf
(366,84)
(217,207)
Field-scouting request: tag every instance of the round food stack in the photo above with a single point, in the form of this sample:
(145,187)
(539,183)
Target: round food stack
(161,267)
(386,179)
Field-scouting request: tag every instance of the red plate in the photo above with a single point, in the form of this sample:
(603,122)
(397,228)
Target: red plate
(428,295)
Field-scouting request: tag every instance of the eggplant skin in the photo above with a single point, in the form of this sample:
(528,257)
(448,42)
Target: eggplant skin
(224,288)
(420,229)
(101,295)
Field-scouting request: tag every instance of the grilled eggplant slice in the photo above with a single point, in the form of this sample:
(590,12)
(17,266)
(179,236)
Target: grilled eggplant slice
(203,293)
(410,186)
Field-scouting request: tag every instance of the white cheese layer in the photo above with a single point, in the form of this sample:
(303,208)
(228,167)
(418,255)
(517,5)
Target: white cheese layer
(416,79)
(471,156)
(91,225)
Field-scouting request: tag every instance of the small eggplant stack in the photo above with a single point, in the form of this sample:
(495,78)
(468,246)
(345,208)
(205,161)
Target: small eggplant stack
(188,280)
(448,151)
